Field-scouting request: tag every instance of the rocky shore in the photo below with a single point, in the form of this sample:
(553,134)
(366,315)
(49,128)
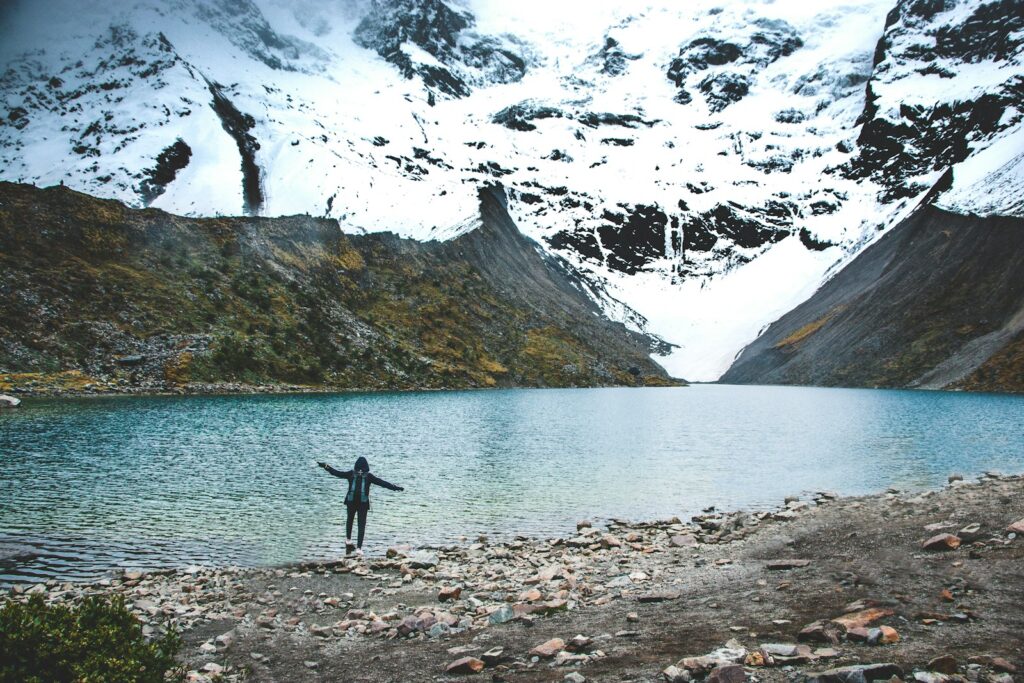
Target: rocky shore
(925,587)
(74,383)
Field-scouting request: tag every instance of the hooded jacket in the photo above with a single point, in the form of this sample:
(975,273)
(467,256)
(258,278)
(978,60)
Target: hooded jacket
(359,480)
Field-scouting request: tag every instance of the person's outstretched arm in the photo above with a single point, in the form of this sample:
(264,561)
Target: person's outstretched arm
(330,470)
(380,482)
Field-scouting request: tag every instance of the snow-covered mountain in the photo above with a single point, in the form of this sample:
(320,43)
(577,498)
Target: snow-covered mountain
(705,165)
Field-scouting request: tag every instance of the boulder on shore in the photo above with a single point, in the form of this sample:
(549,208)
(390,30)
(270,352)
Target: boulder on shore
(942,542)
(548,649)
(466,665)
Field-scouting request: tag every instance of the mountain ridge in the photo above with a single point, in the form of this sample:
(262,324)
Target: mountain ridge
(703,168)
(936,303)
(98,296)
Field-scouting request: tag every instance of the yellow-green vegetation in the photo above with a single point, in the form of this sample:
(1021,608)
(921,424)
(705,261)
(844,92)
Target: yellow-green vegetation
(1004,371)
(66,380)
(97,640)
(99,294)
(793,340)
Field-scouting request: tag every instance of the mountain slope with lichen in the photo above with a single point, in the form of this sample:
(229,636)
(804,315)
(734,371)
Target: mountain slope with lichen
(95,293)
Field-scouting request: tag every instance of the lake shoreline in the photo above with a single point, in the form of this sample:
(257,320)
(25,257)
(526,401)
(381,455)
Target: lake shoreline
(643,595)
(241,389)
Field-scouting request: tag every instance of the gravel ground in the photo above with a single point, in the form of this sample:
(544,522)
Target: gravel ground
(643,597)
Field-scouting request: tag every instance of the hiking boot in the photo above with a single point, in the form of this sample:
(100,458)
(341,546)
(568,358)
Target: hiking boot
(349,547)
(359,552)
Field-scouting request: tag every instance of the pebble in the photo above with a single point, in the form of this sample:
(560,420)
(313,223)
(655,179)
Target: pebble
(727,673)
(782,565)
(549,648)
(449,593)
(465,665)
(674,674)
(1000,664)
(945,664)
(942,542)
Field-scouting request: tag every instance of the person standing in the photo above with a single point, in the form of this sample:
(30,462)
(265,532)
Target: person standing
(357,499)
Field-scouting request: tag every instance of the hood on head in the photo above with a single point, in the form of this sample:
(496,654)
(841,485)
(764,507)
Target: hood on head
(362,465)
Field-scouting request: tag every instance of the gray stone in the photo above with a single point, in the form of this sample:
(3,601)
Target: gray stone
(422,559)
(674,674)
(864,673)
(780,649)
(9,401)
(782,565)
(683,541)
(503,614)
(658,597)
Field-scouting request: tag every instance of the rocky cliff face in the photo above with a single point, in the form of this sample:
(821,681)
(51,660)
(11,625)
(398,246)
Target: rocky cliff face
(704,167)
(938,302)
(97,295)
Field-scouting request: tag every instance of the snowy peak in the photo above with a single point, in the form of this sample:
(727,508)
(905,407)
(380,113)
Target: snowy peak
(723,69)
(245,26)
(703,166)
(429,39)
(946,82)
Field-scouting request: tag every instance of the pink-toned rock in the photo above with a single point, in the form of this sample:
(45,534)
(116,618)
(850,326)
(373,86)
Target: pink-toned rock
(449,593)
(858,634)
(822,632)
(408,625)
(609,541)
(523,609)
(466,665)
(446,618)
(862,618)
(946,664)
(551,572)
(532,595)
(548,649)
(1016,528)
(1000,664)
(942,542)
(727,673)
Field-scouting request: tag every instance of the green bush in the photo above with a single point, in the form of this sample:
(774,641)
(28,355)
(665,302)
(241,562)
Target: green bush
(100,641)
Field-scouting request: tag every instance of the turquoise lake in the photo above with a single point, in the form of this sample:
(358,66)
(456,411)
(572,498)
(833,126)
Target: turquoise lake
(93,485)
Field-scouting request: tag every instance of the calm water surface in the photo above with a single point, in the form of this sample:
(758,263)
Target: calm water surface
(92,485)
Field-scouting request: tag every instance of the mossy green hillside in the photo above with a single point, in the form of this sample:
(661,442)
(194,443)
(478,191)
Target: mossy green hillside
(143,298)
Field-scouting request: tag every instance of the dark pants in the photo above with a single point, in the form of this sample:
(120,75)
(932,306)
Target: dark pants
(352,510)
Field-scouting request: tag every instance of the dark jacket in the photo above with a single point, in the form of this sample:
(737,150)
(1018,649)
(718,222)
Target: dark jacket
(359,481)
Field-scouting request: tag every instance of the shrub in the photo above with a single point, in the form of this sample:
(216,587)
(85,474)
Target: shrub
(98,641)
